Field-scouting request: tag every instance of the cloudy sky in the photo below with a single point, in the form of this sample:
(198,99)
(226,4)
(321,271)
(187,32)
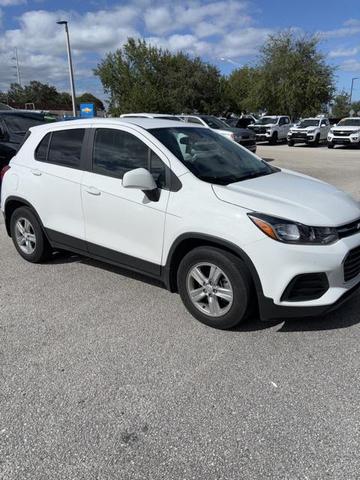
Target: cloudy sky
(227,33)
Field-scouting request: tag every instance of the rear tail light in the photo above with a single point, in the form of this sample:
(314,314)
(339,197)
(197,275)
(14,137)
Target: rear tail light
(3,171)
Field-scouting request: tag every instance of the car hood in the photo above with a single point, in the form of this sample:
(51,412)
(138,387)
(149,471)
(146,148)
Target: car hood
(292,196)
(346,129)
(305,128)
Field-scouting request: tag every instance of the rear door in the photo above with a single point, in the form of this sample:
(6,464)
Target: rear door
(54,184)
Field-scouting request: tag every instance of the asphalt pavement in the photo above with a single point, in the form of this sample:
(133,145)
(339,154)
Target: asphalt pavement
(106,376)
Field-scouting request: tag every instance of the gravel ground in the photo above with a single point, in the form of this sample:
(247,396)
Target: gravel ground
(106,376)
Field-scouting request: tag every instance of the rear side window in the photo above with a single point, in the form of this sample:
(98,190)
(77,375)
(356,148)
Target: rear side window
(61,148)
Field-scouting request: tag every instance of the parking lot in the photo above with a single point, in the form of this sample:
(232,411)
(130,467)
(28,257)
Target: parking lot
(106,376)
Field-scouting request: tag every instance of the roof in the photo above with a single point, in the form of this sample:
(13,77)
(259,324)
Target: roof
(146,123)
(147,115)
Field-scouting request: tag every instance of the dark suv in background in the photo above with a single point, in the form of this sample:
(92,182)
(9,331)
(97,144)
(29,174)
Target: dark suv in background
(13,127)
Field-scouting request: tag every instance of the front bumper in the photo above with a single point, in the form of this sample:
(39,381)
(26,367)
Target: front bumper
(301,138)
(349,140)
(277,264)
(249,144)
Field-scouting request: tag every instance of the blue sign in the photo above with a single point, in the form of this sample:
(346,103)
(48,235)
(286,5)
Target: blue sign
(87,110)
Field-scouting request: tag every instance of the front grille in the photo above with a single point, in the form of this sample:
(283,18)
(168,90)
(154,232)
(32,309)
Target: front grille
(352,264)
(307,286)
(247,142)
(339,133)
(259,129)
(299,135)
(349,229)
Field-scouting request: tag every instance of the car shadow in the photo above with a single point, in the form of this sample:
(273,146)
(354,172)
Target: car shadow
(346,316)
(268,159)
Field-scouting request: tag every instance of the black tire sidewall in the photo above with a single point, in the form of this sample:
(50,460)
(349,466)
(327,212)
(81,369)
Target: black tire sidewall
(41,248)
(238,276)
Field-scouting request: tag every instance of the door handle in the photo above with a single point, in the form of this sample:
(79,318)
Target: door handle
(36,172)
(93,191)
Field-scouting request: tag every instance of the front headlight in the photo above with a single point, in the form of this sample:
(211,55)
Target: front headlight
(312,130)
(356,132)
(293,232)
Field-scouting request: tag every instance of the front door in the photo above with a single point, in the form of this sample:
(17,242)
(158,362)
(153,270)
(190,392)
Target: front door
(124,225)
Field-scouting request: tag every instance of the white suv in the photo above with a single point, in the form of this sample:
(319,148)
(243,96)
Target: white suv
(311,131)
(271,128)
(184,205)
(346,132)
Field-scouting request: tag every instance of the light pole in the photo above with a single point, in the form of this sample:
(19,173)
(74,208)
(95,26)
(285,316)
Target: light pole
(71,71)
(352,86)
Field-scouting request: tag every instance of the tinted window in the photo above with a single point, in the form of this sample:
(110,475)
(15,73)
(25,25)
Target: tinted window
(116,152)
(21,123)
(42,149)
(194,120)
(65,147)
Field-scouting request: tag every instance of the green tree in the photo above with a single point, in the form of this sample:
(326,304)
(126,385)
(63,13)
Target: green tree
(140,77)
(341,106)
(294,77)
(90,98)
(241,91)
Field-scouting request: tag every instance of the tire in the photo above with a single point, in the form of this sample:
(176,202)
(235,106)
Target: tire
(224,309)
(34,247)
(274,139)
(291,143)
(317,140)
(330,145)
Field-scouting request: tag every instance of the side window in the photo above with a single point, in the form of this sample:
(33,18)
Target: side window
(287,120)
(324,123)
(116,152)
(42,149)
(65,147)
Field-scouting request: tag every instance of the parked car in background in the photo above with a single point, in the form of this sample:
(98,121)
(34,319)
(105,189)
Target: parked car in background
(160,116)
(241,122)
(346,132)
(13,127)
(184,205)
(311,131)
(271,128)
(243,136)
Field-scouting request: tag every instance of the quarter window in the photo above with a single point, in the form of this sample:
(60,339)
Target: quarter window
(42,149)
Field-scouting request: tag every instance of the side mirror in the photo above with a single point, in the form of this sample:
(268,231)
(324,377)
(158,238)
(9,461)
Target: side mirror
(140,179)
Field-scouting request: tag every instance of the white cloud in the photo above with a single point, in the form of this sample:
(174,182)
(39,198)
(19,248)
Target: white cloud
(352,65)
(350,27)
(10,3)
(344,52)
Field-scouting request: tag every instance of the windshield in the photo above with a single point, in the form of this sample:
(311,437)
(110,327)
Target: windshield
(266,120)
(309,123)
(21,123)
(211,157)
(215,123)
(349,122)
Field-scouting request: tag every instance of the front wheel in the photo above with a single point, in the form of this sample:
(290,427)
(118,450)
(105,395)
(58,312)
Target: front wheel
(28,237)
(330,145)
(274,139)
(290,143)
(214,285)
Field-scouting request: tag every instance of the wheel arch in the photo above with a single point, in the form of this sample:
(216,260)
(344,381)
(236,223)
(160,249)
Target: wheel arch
(13,203)
(187,242)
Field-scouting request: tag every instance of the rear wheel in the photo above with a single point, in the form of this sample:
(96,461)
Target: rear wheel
(214,285)
(28,237)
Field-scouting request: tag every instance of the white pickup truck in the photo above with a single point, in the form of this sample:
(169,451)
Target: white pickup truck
(346,132)
(271,128)
(311,131)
